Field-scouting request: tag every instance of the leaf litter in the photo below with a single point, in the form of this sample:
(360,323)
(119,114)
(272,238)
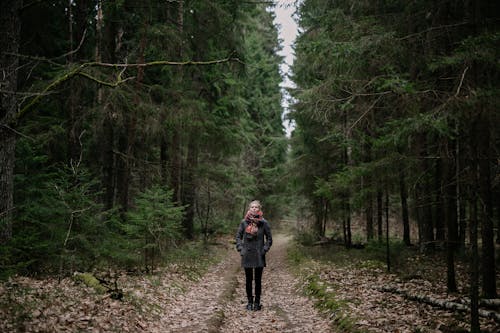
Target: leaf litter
(172,301)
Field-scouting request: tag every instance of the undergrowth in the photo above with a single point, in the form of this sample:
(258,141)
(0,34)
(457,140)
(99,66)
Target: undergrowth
(406,262)
(143,291)
(306,260)
(322,293)
(326,301)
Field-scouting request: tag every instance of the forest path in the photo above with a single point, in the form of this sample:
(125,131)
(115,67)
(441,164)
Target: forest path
(217,302)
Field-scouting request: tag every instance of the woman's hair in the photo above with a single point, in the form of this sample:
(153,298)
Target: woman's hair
(255,202)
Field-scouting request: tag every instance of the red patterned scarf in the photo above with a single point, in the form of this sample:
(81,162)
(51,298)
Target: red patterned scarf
(254,220)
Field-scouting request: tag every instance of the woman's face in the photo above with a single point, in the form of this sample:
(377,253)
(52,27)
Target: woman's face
(254,208)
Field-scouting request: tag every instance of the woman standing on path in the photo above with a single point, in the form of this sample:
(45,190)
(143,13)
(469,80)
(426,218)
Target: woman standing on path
(253,240)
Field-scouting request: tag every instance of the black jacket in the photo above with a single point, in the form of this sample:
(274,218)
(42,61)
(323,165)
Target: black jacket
(253,248)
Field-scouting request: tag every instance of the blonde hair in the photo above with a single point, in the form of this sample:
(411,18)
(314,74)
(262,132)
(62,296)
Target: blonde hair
(255,202)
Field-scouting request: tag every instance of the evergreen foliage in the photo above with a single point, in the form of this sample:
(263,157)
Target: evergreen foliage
(117,163)
(362,87)
(154,225)
(390,99)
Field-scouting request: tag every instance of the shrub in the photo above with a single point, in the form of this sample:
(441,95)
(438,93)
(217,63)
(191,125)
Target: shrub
(154,225)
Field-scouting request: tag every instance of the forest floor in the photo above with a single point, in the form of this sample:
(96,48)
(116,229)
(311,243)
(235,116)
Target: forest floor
(218,302)
(177,299)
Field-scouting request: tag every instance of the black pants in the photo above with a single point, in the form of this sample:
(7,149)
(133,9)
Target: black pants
(250,276)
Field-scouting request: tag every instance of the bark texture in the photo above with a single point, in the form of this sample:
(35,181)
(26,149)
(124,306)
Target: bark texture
(10,26)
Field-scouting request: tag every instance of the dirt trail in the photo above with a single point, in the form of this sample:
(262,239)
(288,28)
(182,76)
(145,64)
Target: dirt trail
(217,302)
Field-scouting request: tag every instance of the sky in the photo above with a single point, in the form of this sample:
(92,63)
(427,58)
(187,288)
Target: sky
(287,32)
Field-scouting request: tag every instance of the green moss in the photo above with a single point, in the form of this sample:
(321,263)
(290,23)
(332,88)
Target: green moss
(371,264)
(216,321)
(90,281)
(326,301)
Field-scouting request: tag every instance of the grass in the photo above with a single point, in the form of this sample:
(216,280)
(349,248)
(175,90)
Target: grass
(300,259)
(406,262)
(326,301)
(373,255)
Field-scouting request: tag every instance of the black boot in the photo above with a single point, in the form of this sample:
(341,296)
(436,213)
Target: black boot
(256,305)
(250,304)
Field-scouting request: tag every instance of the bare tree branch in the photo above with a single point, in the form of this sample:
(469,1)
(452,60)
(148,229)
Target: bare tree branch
(365,113)
(461,81)
(432,29)
(79,70)
(77,48)
(7,212)
(17,132)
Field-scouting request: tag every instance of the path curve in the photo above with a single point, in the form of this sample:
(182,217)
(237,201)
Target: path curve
(217,302)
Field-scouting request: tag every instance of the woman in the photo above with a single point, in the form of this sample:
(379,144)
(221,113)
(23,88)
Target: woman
(253,240)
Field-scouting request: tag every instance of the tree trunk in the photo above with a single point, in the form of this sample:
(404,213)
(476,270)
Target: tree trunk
(388,248)
(417,201)
(380,212)
(486,207)
(77,20)
(73,129)
(369,218)
(164,157)
(175,153)
(71,107)
(497,195)
(473,238)
(473,11)
(344,230)
(404,208)
(450,217)
(460,189)
(126,140)
(424,205)
(480,145)
(438,202)
(347,195)
(108,160)
(367,185)
(347,218)
(318,214)
(175,166)
(189,188)
(474,266)
(325,217)
(106,50)
(10,26)
(122,168)
(439,303)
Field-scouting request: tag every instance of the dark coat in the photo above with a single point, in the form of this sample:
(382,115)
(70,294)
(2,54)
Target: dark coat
(253,248)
